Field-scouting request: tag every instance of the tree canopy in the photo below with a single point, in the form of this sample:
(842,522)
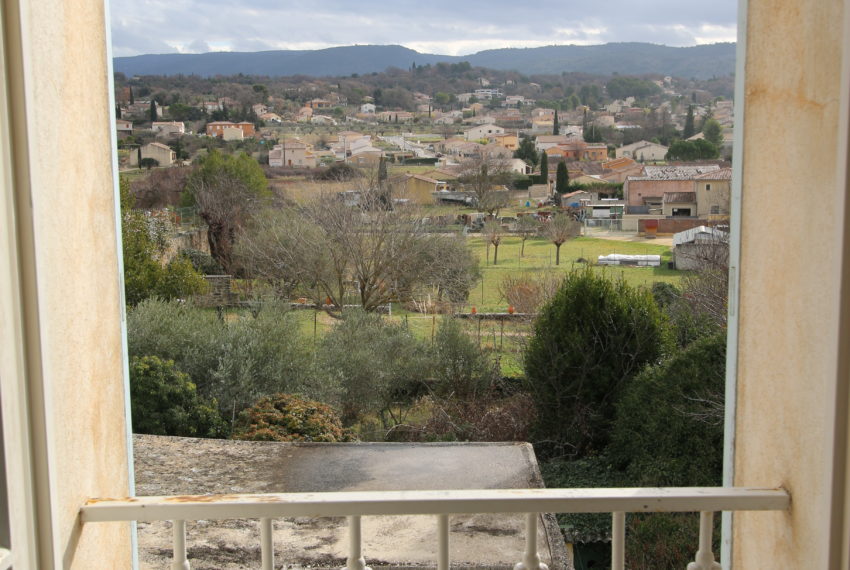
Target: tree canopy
(699,149)
(621,87)
(226,189)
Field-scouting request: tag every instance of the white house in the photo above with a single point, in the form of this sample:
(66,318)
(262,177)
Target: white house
(166,128)
(642,150)
(367,108)
(482,132)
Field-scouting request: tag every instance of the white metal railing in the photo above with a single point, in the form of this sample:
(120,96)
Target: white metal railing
(532,502)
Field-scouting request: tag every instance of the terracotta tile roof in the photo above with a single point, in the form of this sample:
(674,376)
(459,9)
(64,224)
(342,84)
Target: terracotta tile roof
(722,174)
(676,172)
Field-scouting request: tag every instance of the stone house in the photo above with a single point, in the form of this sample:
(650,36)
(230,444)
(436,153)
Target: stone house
(157,151)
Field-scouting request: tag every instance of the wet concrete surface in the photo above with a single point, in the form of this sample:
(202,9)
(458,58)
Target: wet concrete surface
(172,466)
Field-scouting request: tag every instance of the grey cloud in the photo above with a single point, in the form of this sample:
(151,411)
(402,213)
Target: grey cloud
(271,24)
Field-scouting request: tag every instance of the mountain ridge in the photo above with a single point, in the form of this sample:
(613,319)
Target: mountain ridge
(625,58)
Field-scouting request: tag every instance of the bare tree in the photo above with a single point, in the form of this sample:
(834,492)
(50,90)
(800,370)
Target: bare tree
(484,176)
(330,249)
(558,229)
(161,188)
(492,232)
(527,227)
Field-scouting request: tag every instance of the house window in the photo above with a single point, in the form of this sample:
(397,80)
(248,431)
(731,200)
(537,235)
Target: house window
(708,186)
(715,209)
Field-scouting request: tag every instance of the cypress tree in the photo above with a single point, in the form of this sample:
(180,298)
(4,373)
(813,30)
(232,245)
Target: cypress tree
(544,168)
(689,129)
(556,128)
(153,111)
(562,178)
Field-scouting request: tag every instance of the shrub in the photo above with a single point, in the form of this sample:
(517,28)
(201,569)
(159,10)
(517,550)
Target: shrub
(669,425)
(165,402)
(484,419)
(375,365)
(284,417)
(235,360)
(588,342)
(526,294)
(202,261)
(460,367)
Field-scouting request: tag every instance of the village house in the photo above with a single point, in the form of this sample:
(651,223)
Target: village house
(643,151)
(577,149)
(292,154)
(168,128)
(508,140)
(542,142)
(713,193)
(271,118)
(645,193)
(482,132)
(417,188)
(368,108)
(123,127)
(162,154)
(218,128)
(318,104)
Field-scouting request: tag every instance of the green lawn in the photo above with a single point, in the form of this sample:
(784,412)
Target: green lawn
(505,341)
(540,256)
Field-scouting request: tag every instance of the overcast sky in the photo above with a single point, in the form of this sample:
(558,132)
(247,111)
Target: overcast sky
(435,26)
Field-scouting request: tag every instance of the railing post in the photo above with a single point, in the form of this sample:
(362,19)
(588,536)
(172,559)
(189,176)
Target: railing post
(443,542)
(618,540)
(267,544)
(180,562)
(355,559)
(531,560)
(704,559)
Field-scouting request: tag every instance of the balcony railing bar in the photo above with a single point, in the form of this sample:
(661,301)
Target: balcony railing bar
(532,502)
(631,500)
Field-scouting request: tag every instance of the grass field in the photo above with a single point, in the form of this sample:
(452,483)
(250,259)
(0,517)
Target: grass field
(540,256)
(505,341)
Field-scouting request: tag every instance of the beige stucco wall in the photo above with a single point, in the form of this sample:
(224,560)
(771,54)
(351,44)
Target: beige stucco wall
(719,195)
(789,298)
(79,305)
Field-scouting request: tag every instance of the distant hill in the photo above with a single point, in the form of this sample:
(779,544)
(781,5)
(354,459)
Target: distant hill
(700,62)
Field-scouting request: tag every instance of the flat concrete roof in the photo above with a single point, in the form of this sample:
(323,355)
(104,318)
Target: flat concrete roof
(174,466)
